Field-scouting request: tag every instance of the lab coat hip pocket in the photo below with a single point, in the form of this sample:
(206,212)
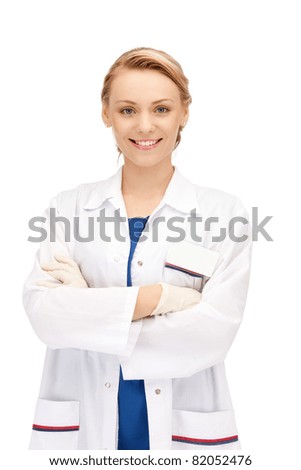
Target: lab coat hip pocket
(214,430)
(55,426)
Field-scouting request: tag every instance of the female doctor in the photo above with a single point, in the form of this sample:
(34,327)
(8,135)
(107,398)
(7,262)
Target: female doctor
(139,288)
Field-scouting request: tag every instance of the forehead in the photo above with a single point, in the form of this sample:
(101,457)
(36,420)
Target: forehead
(137,85)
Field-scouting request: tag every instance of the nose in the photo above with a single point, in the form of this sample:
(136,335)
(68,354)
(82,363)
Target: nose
(145,123)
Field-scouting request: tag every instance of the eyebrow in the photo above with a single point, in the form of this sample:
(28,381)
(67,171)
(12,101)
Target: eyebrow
(154,102)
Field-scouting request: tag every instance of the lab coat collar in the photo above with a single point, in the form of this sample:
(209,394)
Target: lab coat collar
(180,192)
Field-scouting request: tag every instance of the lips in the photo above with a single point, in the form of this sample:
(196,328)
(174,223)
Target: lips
(146,142)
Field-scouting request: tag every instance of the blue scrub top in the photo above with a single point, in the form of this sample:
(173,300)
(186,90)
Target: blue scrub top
(132,409)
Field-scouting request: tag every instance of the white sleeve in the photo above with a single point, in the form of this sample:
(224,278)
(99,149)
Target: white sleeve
(182,343)
(96,319)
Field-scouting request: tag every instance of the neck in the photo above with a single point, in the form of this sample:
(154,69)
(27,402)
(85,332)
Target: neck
(146,181)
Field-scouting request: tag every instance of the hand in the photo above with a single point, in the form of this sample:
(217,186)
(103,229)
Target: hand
(65,270)
(175,298)
(158,299)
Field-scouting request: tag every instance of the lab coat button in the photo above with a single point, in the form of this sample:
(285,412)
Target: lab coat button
(157,391)
(116,259)
(107,384)
(140,263)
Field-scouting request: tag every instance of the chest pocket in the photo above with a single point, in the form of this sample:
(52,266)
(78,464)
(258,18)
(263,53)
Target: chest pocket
(188,264)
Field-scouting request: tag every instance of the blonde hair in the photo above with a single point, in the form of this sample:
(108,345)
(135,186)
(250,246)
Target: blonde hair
(152,59)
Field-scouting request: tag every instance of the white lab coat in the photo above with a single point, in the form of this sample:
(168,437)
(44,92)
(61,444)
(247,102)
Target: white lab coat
(89,332)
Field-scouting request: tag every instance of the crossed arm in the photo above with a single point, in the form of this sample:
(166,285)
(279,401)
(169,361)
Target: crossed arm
(151,299)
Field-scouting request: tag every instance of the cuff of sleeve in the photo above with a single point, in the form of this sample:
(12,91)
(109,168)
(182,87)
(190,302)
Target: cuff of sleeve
(134,332)
(132,329)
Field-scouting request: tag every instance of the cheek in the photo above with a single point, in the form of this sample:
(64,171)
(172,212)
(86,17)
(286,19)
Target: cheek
(174,124)
(172,129)
(121,127)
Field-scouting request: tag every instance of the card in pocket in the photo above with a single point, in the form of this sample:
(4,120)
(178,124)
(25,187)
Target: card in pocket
(191,258)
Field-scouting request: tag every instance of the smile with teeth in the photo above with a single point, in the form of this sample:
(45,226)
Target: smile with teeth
(145,143)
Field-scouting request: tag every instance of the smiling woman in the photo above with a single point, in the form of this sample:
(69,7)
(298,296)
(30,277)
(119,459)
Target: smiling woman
(151,70)
(143,122)
(138,328)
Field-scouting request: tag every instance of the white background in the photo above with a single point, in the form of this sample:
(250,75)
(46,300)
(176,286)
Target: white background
(243,136)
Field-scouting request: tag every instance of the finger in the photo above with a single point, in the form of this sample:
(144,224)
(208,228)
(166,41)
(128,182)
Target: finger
(65,259)
(60,275)
(50,265)
(54,266)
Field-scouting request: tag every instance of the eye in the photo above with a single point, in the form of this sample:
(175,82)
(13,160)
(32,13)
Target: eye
(127,111)
(161,109)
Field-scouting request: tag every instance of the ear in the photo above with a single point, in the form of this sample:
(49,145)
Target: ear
(185,116)
(105,116)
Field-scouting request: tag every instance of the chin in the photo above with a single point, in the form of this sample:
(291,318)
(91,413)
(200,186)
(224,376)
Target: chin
(143,161)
